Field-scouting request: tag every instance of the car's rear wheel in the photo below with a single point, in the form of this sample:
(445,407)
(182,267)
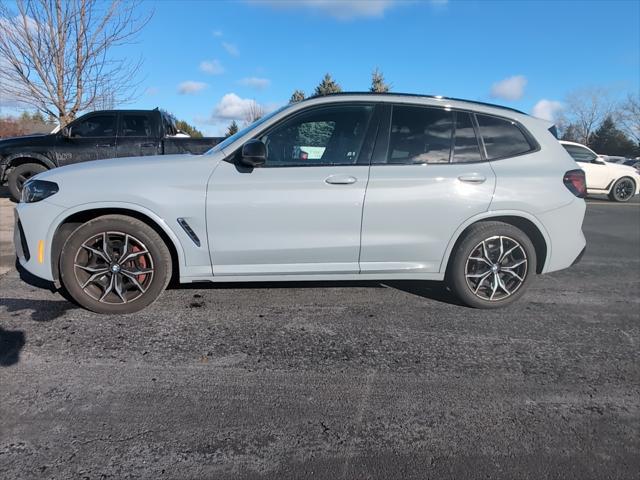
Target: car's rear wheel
(115,264)
(623,190)
(492,265)
(19,175)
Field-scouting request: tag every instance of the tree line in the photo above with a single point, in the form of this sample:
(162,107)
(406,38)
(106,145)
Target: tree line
(327,86)
(591,117)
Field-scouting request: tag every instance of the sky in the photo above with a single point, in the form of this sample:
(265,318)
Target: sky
(205,60)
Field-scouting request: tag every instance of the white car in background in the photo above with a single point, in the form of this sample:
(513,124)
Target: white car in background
(620,182)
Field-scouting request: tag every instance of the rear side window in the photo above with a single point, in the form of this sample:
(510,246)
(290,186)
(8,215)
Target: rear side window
(135,126)
(420,135)
(465,147)
(580,154)
(502,138)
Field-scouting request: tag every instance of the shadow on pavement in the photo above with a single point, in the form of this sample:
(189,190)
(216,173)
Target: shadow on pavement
(11,342)
(4,193)
(42,310)
(425,289)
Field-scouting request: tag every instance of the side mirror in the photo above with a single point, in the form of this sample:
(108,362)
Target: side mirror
(254,154)
(598,161)
(65,132)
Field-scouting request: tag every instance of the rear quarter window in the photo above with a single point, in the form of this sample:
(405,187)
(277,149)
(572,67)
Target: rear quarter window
(502,138)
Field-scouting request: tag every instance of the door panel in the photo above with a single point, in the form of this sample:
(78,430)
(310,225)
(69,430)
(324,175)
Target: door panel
(138,135)
(92,137)
(285,220)
(301,212)
(412,211)
(427,177)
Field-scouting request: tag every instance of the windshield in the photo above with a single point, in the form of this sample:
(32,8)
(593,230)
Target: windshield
(229,140)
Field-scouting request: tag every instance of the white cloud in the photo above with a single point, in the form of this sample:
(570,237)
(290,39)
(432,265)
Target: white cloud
(231,49)
(190,87)
(342,10)
(217,33)
(511,88)
(547,109)
(255,82)
(152,91)
(212,67)
(231,107)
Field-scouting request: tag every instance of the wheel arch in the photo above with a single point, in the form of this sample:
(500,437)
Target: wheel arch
(27,157)
(70,221)
(523,221)
(617,179)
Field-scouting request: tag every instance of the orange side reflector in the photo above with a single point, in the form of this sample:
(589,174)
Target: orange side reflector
(41,251)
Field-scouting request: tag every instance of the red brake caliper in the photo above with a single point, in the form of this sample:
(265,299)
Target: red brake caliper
(143,264)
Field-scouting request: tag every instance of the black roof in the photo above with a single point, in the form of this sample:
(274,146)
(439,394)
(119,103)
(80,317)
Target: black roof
(417,95)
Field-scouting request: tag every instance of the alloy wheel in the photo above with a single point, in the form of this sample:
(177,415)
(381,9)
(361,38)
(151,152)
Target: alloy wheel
(113,267)
(496,268)
(624,189)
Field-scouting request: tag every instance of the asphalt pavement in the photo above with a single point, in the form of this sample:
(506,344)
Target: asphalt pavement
(333,380)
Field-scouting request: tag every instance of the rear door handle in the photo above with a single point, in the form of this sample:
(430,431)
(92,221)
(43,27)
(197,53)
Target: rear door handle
(340,179)
(472,178)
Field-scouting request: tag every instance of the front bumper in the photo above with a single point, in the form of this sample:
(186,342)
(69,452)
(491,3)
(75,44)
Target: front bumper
(33,236)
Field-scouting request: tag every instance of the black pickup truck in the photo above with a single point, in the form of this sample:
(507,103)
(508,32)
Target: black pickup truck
(94,136)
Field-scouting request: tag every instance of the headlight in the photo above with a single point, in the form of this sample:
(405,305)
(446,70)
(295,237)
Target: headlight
(36,190)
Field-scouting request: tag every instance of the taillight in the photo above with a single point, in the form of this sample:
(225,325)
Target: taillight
(576,182)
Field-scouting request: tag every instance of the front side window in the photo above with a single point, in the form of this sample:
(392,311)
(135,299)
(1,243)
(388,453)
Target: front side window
(502,138)
(323,136)
(95,126)
(580,154)
(135,126)
(420,135)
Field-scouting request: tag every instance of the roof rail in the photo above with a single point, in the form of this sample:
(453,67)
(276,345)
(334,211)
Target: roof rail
(399,94)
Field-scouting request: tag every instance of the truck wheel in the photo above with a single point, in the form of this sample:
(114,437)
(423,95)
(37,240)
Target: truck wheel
(115,264)
(19,175)
(492,265)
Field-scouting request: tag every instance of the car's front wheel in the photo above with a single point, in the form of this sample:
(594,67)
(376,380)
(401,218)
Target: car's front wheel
(492,265)
(115,264)
(623,190)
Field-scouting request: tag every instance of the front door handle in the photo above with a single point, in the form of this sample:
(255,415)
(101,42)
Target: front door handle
(148,145)
(474,178)
(103,145)
(340,179)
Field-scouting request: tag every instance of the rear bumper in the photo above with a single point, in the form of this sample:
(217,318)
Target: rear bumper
(564,228)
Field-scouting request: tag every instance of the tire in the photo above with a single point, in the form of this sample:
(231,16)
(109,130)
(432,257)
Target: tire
(623,190)
(472,275)
(126,276)
(20,174)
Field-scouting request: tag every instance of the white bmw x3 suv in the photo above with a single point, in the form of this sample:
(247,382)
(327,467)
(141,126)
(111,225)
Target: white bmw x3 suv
(341,187)
(619,182)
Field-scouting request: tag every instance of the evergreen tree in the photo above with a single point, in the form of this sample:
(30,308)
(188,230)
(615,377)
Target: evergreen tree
(188,129)
(378,84)
(296,96)
(570,134)
(233,129)
(608,139)
(327,86)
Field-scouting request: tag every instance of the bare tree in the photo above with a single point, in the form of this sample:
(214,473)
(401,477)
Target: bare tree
(253,112)
(58,55)
(629,116)
(585,110)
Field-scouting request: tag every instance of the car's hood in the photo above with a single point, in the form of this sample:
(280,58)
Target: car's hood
(137,180)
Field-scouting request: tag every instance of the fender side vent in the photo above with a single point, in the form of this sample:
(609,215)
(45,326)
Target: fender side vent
(187,228)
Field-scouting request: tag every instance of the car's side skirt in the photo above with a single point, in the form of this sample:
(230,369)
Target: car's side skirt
(315,277)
